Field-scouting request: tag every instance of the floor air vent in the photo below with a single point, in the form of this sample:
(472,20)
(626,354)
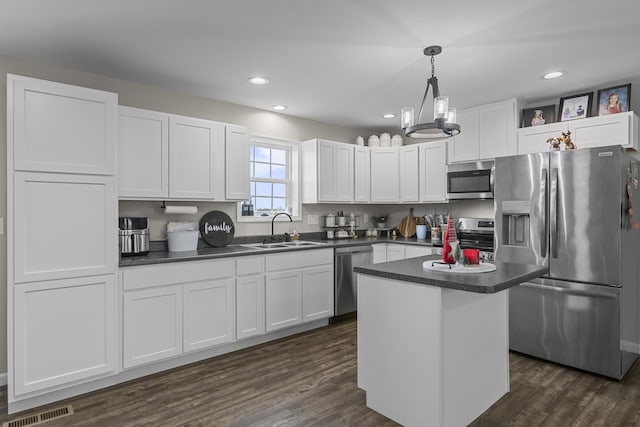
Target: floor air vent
(42,417)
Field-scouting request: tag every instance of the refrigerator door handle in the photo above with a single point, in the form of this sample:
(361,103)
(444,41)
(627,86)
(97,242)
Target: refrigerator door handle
(554,212)
(544,231)
(569,291)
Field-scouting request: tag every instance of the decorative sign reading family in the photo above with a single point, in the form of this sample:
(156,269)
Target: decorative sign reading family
(216,229)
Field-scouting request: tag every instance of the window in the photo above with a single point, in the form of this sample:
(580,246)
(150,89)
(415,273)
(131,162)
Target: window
(273,168)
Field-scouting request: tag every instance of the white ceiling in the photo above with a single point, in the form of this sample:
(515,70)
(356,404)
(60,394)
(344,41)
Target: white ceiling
(344,62)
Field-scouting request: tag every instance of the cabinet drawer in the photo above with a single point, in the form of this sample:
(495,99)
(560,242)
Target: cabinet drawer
(246,266)
(181,272)
(298,259)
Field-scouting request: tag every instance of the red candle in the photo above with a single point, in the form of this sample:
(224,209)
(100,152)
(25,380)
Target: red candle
(472,255)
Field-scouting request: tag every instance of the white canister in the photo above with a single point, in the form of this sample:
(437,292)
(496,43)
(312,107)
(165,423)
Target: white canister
(342,221)
(330,234)
(330,220)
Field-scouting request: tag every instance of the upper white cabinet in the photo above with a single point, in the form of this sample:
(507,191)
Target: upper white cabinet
(362,173)
(196,168)
(61,128)
(433,171)
(385,175)
(328,171)
(487,131)
(143,153)
(163,156)
(409,174)
(615,129)
(237,162)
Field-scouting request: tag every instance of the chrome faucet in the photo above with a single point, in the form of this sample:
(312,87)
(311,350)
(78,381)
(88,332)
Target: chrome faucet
(274,217)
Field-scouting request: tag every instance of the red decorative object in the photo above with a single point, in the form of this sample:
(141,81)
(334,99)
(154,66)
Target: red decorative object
(472,255)
(449,236)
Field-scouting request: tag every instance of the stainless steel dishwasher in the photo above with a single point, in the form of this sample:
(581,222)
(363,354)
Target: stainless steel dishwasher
(346,290)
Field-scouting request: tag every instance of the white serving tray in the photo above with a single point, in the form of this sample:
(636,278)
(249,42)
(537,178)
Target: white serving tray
(484,267)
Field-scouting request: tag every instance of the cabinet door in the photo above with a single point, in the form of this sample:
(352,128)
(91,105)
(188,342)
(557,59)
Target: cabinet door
(379,253)
(385,175)
(414,251)
(409,175)
(614,129)
(395,252)
(283,302)
(534,139)
(64,226)
(54,127)
(143,153)
(344,172)
(152,325)
(433,171)
(362,172)
(209,313)
(250,306)
(497,129)
(326,171)
(196,158)
(317,293)
(465,146)
(63,331)
(237,164)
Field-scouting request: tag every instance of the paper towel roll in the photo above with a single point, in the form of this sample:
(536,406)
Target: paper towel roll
(168,209)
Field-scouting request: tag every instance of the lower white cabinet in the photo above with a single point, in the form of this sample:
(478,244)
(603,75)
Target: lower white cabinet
(395,252)
(209,314)
(152,325)
(65,331)
(413,251)
(250,297)
(283,299)
(317,295)
(298,287)
(379,253)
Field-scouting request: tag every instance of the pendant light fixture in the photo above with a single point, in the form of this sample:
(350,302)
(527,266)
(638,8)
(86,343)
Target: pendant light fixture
(444,117)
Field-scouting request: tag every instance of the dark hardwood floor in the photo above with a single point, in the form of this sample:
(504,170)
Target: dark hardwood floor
(310,380)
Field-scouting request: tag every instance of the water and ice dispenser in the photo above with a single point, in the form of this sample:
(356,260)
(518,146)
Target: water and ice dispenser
(516,220)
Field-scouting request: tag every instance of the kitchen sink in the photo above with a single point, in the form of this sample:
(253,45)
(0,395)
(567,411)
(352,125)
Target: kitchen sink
(282,245)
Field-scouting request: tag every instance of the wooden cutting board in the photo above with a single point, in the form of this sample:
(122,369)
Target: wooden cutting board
(408,225)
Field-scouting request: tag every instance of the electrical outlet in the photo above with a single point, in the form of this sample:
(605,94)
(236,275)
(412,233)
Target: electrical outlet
(312,219)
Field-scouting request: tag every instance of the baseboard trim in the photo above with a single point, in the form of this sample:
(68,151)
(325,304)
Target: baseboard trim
(631,347)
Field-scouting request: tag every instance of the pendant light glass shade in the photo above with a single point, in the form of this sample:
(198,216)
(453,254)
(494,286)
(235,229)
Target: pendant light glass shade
(444,117)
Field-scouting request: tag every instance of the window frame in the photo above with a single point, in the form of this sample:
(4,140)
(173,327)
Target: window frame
(294,184)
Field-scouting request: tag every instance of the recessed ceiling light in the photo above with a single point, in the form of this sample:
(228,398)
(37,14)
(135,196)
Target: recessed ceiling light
(279,107)
(258,80)
(389,116)
(553,75)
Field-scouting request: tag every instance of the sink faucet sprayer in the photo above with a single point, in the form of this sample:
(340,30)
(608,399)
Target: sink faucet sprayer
(274,217)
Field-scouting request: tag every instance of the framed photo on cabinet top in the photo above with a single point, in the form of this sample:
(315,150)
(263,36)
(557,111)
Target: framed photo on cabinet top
(538,116)
(614,100)
(575,107)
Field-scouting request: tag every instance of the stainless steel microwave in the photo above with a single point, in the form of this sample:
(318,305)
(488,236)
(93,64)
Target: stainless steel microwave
(473,180)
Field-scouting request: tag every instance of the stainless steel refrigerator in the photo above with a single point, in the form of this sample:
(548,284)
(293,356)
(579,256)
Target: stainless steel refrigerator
(570,210)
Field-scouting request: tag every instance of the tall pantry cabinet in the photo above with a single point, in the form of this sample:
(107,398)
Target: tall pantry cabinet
(61,236)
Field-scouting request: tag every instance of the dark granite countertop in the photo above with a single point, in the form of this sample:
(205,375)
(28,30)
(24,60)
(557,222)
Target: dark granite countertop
(505,276)
(233,250)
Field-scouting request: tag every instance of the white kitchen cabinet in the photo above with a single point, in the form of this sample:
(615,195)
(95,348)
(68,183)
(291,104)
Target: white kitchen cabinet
(283,299)
(395,252)
(328,171)
(409,173)
(237,163)
(317,293)
(60,128)
(208,313)
(152,325)
(615,129)
(197,165)
(379,253)
(63,226)
(362,173)
(385,175)
(250,319)
(487,131)
(65,331)
(433,171)
(414,251)
(143,153)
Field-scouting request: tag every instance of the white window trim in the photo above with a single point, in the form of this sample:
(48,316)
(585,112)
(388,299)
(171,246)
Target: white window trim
(295,189)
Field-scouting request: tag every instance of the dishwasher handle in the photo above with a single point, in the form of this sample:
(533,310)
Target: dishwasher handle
(353,249)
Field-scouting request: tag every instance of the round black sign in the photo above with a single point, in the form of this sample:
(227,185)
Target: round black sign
(216,229)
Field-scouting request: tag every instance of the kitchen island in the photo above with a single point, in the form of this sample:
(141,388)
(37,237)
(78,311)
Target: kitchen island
(433,346)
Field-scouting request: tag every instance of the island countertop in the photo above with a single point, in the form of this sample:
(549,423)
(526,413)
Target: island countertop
(505,276)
